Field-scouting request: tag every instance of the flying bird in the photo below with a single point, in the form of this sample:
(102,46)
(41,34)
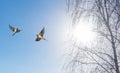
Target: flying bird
(40,35)
(15,30)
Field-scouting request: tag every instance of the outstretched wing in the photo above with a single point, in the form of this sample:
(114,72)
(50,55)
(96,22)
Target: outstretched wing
(42,32)
(11,27)
(18,30)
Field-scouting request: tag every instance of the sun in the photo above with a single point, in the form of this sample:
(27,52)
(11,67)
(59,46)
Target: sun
(83,32)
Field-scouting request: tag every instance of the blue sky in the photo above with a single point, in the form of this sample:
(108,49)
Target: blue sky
(20,53)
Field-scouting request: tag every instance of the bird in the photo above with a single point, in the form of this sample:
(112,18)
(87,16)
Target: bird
(40,35)
(15,30)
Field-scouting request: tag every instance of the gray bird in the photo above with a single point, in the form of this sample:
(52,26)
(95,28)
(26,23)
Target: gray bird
(15,30)
(40,35)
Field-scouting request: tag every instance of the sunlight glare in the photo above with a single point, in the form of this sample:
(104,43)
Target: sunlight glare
(83,32)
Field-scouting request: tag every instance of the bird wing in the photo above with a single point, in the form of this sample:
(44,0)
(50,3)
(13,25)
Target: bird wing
(42,32)
(18,30)
(11,27)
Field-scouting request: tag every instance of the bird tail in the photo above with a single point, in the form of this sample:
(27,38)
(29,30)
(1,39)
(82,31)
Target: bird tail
(44,39)
(13,34)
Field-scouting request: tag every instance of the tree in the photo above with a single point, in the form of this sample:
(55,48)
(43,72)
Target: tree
(103,56)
